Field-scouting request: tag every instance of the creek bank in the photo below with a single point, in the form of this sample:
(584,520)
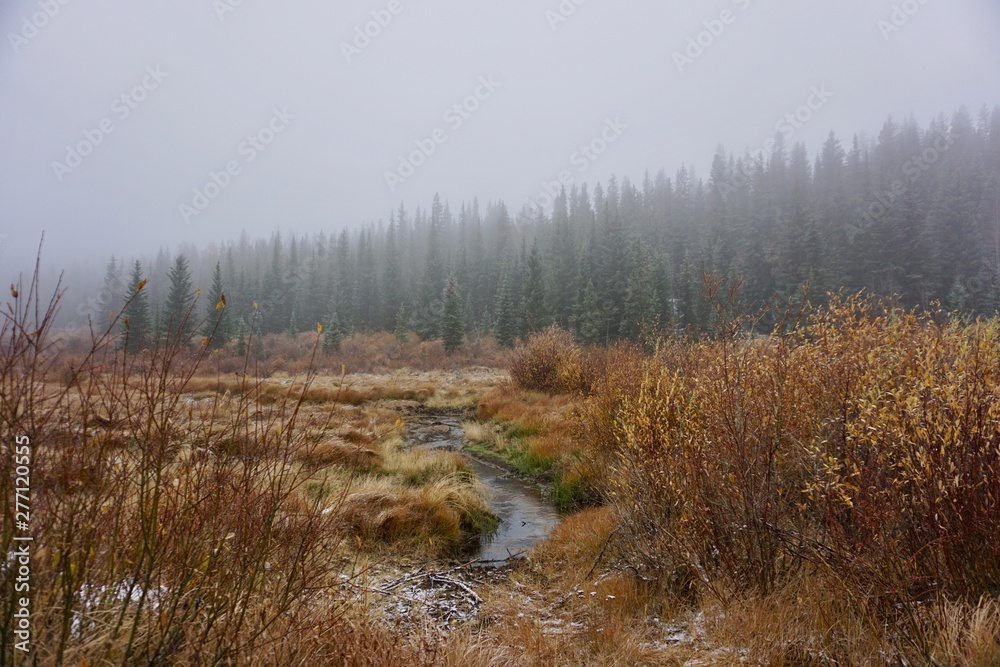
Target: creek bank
(526,515)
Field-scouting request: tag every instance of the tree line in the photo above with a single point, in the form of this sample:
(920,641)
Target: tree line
(913,213)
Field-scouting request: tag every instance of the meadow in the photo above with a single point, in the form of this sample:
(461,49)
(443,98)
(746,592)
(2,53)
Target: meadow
(825,494)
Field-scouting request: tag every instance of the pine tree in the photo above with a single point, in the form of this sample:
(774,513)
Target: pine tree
(640,298)
(344,290)
(332,334)
(401,330)
(136,322)
(113,293)
(611,264)
(591,324)
(256,339)
(242,330)
(434,268)
(536,315)
(218,327)
(505,327)
(275,294)
(313,294)
(564,262)
(392,285)
(177,313)
(368,297)
(452,329)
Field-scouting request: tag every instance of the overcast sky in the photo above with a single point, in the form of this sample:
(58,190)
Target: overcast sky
(116,114)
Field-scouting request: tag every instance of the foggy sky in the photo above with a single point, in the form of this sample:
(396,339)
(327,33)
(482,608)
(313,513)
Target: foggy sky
(166,94)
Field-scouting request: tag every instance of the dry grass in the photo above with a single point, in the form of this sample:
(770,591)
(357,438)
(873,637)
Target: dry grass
(202,521)
(432,520)
(378,352)
(327,453)
(557,610)
(825,496)
(965,634)
(536,432)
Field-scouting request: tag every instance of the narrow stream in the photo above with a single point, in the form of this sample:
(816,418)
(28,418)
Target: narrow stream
(526,516)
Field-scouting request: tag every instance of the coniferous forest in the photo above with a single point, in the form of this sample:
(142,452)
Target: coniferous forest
(507,334)
(913,213)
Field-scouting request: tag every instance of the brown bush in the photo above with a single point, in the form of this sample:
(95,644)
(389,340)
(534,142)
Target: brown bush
(864,443)
(550,361)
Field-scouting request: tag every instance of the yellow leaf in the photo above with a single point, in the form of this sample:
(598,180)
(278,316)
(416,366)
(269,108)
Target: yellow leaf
(319,328)
(255,305)
(197,292)
(220,305)
(142,283)
(204,341)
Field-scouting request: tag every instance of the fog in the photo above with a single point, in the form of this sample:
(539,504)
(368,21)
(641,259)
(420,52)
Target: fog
(127,126)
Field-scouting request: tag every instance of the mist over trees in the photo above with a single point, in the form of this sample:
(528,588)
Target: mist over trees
(914,212)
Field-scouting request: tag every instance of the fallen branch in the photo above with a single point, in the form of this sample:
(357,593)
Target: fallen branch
(457,584)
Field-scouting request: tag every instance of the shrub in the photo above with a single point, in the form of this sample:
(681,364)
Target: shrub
(549,361)
(863,442)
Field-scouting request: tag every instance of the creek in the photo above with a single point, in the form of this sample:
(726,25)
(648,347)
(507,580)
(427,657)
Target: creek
(526,516)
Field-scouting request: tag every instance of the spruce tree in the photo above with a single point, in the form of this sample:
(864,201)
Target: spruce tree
(218,327)
(564,264)
(275,294)
(452,329)
(535,313)
(401,329)
(113,293)
(591,324)
(136,322)
(640,308)
(392,285)
(332,334)
(345,283)
(505,327)
(177,314)
(242,331)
